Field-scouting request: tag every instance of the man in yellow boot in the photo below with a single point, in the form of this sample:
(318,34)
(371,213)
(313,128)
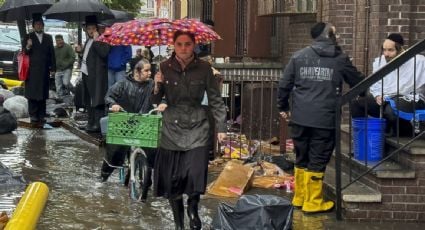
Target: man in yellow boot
(314,76)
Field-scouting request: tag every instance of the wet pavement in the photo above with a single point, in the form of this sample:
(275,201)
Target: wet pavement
(70,167)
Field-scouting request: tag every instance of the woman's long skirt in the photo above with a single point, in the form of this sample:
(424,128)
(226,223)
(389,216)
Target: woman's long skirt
(180,172)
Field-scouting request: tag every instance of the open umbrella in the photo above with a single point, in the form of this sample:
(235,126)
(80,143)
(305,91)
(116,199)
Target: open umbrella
(13,10)
(77,10)
(119,16)
(156,32)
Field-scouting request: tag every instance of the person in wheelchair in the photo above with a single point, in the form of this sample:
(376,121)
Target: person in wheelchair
(131,95)
(404,86)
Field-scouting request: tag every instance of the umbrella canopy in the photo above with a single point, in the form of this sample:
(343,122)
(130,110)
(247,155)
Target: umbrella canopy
(77,10)
(119,16)
(156,32)
(13,10)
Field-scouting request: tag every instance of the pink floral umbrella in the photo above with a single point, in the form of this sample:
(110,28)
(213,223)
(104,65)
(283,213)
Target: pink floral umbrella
(155,32)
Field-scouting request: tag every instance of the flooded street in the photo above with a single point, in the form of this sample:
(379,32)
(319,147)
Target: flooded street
(70,167)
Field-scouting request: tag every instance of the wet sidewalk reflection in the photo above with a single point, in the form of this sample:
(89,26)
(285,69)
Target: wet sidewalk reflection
(70,167)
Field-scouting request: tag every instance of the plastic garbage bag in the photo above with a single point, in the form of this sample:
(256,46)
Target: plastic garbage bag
(8,121)
(255,212)
(18,105)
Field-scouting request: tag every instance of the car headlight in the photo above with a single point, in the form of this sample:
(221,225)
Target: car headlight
(7,62)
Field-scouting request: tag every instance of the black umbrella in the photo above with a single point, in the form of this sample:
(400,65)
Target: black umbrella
(119,16)
(77,10)
(13,10)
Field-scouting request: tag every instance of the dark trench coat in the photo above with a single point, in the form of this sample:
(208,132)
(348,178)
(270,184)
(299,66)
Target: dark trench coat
(97,68)
(185,123)
(42,61)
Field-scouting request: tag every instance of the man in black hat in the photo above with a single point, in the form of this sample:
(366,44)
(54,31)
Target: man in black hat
(397,85)
(39,47)
(94,59)
(314,76)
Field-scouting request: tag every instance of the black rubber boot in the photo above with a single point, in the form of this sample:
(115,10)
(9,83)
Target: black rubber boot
(105,172)
(178,212)
(192,212)
(90,127)
(147,182)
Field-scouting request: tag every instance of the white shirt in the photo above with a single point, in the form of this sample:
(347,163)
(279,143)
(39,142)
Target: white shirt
(405,80)
(86,52)
(39,36)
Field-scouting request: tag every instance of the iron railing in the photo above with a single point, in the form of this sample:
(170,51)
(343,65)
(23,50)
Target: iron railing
(351,95)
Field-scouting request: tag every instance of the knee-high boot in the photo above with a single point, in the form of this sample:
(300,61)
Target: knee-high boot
(105,171)
(178,212)
(298,199)
(192,212)
(313,200)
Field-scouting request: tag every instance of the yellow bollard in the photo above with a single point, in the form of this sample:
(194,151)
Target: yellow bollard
(12,83)
(29,207)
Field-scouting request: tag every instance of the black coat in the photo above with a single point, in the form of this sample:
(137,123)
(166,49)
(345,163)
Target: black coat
(131,95)
(315,76)
(97,78)
(42,61)
(185,123)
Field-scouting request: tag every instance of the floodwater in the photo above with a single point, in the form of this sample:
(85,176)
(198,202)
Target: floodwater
(70,167)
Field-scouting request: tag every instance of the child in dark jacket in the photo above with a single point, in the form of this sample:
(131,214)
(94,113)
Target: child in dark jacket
(131,95)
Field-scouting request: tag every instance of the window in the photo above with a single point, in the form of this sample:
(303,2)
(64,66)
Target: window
(306,6)
(285,7)
(150,4)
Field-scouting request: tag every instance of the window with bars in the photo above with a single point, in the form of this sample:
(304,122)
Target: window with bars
(207,11)
(241,27)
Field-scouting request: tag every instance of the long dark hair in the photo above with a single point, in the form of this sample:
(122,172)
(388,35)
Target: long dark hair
(179,33)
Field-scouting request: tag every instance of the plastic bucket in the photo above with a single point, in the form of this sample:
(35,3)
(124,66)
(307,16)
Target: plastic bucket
(368,139)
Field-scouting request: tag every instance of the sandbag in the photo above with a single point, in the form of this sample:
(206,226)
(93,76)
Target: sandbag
(18,105)
(255,212)
(8,121)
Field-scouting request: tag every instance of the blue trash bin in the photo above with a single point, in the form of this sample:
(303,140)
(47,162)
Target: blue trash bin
(368,139)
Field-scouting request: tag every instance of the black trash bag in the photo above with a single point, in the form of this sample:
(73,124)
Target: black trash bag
(255,212)
(8,121)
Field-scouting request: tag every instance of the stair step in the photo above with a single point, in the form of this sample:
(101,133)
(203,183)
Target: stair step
(390,169)
(356,192)
(416,148)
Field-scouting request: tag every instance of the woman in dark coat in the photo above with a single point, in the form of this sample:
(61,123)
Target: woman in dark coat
(42,62)
(181,165)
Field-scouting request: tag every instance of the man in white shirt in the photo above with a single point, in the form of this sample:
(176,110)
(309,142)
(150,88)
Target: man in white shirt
(405,85)
(94,58)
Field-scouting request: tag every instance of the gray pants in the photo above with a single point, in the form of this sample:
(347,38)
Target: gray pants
(63,82)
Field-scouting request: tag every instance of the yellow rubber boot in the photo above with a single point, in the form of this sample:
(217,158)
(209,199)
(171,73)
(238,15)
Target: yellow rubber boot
(298,199)
(313,198)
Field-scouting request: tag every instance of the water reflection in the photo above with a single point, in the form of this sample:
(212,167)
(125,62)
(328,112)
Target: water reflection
(70,166)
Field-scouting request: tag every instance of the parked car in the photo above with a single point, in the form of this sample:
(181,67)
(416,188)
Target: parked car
(9,47)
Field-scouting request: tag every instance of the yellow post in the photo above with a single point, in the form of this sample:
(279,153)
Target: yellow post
(12,83)
(29,207)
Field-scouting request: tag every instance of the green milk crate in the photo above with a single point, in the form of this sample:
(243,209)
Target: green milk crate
(133,129)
